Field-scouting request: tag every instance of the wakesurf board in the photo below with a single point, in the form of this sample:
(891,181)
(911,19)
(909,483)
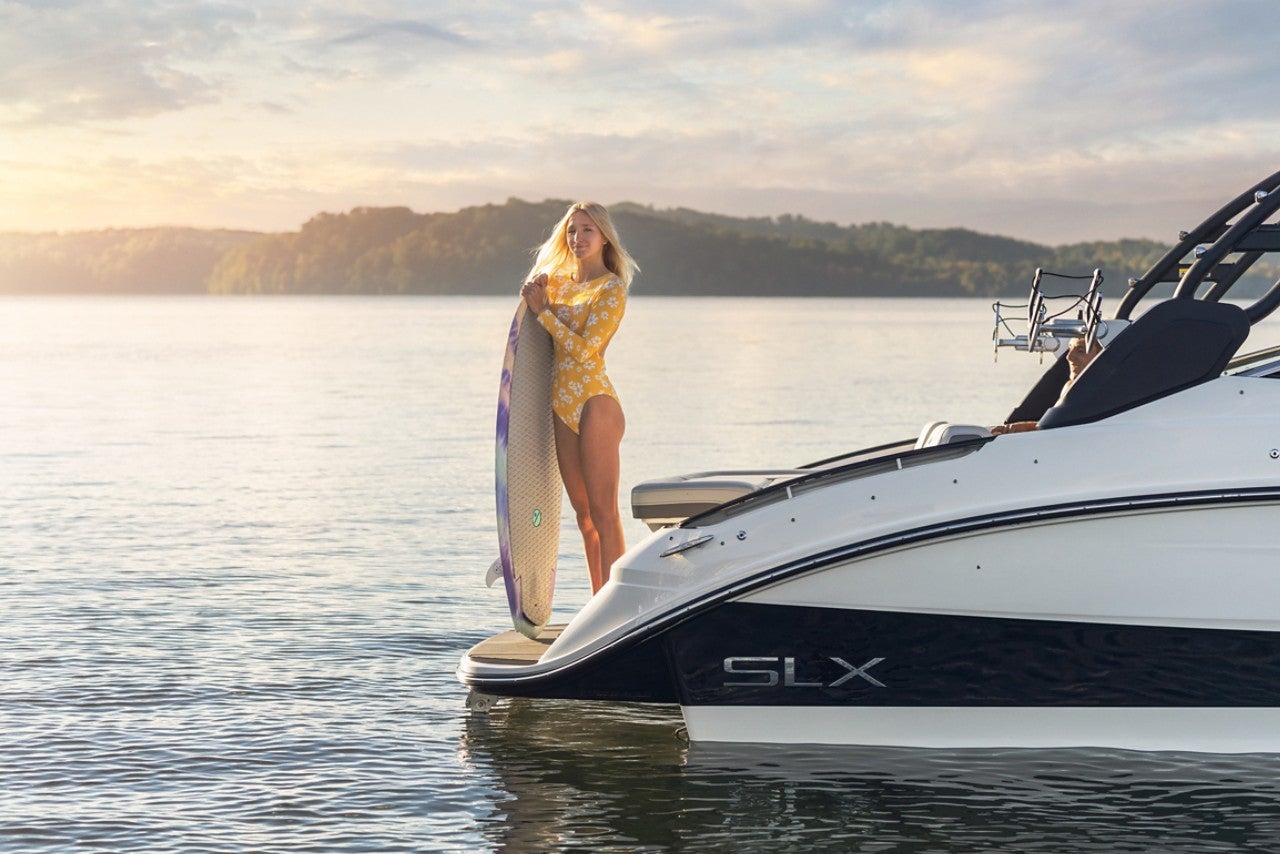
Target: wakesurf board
(527,477)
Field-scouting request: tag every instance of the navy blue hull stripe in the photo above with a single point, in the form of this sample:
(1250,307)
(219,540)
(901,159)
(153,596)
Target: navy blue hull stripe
(774,655)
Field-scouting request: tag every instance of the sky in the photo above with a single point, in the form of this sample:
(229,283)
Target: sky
(1048,121)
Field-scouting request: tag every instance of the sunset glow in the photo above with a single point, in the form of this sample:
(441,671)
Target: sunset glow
(1061,122)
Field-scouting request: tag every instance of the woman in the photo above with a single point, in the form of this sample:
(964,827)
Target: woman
(1078,358)
(577,288)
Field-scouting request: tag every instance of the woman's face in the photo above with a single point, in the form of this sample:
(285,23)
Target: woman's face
(584,237)
(1078,358)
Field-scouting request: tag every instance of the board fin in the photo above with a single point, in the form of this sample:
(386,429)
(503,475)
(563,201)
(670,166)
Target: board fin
(493,573)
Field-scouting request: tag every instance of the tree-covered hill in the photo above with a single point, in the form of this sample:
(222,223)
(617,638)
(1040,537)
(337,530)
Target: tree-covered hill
(392,251)
(116,261)
(486,250)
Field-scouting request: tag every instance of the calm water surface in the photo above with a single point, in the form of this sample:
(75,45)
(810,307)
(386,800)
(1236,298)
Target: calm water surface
(242,544)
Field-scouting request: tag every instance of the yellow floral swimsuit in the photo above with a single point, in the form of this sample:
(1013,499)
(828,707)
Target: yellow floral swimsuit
(582,318)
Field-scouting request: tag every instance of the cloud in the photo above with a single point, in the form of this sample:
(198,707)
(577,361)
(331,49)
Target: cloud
(1072,115)
(76,62)
(93,62)
(373,47)
(747,174)
(395,31)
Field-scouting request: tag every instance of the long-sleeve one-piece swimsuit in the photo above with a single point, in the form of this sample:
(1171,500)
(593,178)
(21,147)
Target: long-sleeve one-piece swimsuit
(582,318)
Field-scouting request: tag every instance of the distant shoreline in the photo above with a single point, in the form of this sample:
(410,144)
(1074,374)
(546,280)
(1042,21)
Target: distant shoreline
(486,250)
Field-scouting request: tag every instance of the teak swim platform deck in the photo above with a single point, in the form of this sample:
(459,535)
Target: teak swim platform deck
(511,647)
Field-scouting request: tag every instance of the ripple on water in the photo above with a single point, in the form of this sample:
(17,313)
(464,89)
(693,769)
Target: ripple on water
(241,544)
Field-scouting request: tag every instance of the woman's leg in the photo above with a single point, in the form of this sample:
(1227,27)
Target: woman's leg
(599,437)
(569,456)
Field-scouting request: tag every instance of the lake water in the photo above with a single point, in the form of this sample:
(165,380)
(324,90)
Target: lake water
(242,544)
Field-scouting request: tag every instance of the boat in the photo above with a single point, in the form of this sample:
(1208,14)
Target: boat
(1110,579)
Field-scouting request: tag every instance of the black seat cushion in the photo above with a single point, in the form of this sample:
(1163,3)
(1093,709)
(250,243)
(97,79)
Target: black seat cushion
(1175,345)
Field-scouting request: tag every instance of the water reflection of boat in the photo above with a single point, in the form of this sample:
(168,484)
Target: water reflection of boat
(986,800)
(1108,579)
(565,771)
(611,777)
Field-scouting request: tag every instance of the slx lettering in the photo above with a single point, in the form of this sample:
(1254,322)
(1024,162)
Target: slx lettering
(764,672)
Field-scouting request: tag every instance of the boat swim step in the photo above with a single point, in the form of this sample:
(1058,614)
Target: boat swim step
(511,647)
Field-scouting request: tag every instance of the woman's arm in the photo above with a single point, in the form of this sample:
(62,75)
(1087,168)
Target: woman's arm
(1014,427)
(607,308)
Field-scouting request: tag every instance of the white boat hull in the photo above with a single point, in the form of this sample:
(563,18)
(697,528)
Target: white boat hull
(1207,730)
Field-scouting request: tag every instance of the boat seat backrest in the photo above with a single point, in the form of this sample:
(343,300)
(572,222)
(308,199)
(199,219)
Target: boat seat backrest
(944,433)
(1176,344)
(926,434)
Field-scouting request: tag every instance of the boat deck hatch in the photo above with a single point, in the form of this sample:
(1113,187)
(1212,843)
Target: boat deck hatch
(513,648)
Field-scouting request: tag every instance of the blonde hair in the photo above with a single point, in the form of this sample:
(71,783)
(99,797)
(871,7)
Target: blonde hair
(554,254)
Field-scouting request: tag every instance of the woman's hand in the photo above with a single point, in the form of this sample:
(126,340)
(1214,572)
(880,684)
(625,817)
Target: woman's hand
(534,292)
(1015,427)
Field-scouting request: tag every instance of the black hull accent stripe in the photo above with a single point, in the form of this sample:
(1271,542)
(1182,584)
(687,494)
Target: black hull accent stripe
(786,655)
(864,548)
